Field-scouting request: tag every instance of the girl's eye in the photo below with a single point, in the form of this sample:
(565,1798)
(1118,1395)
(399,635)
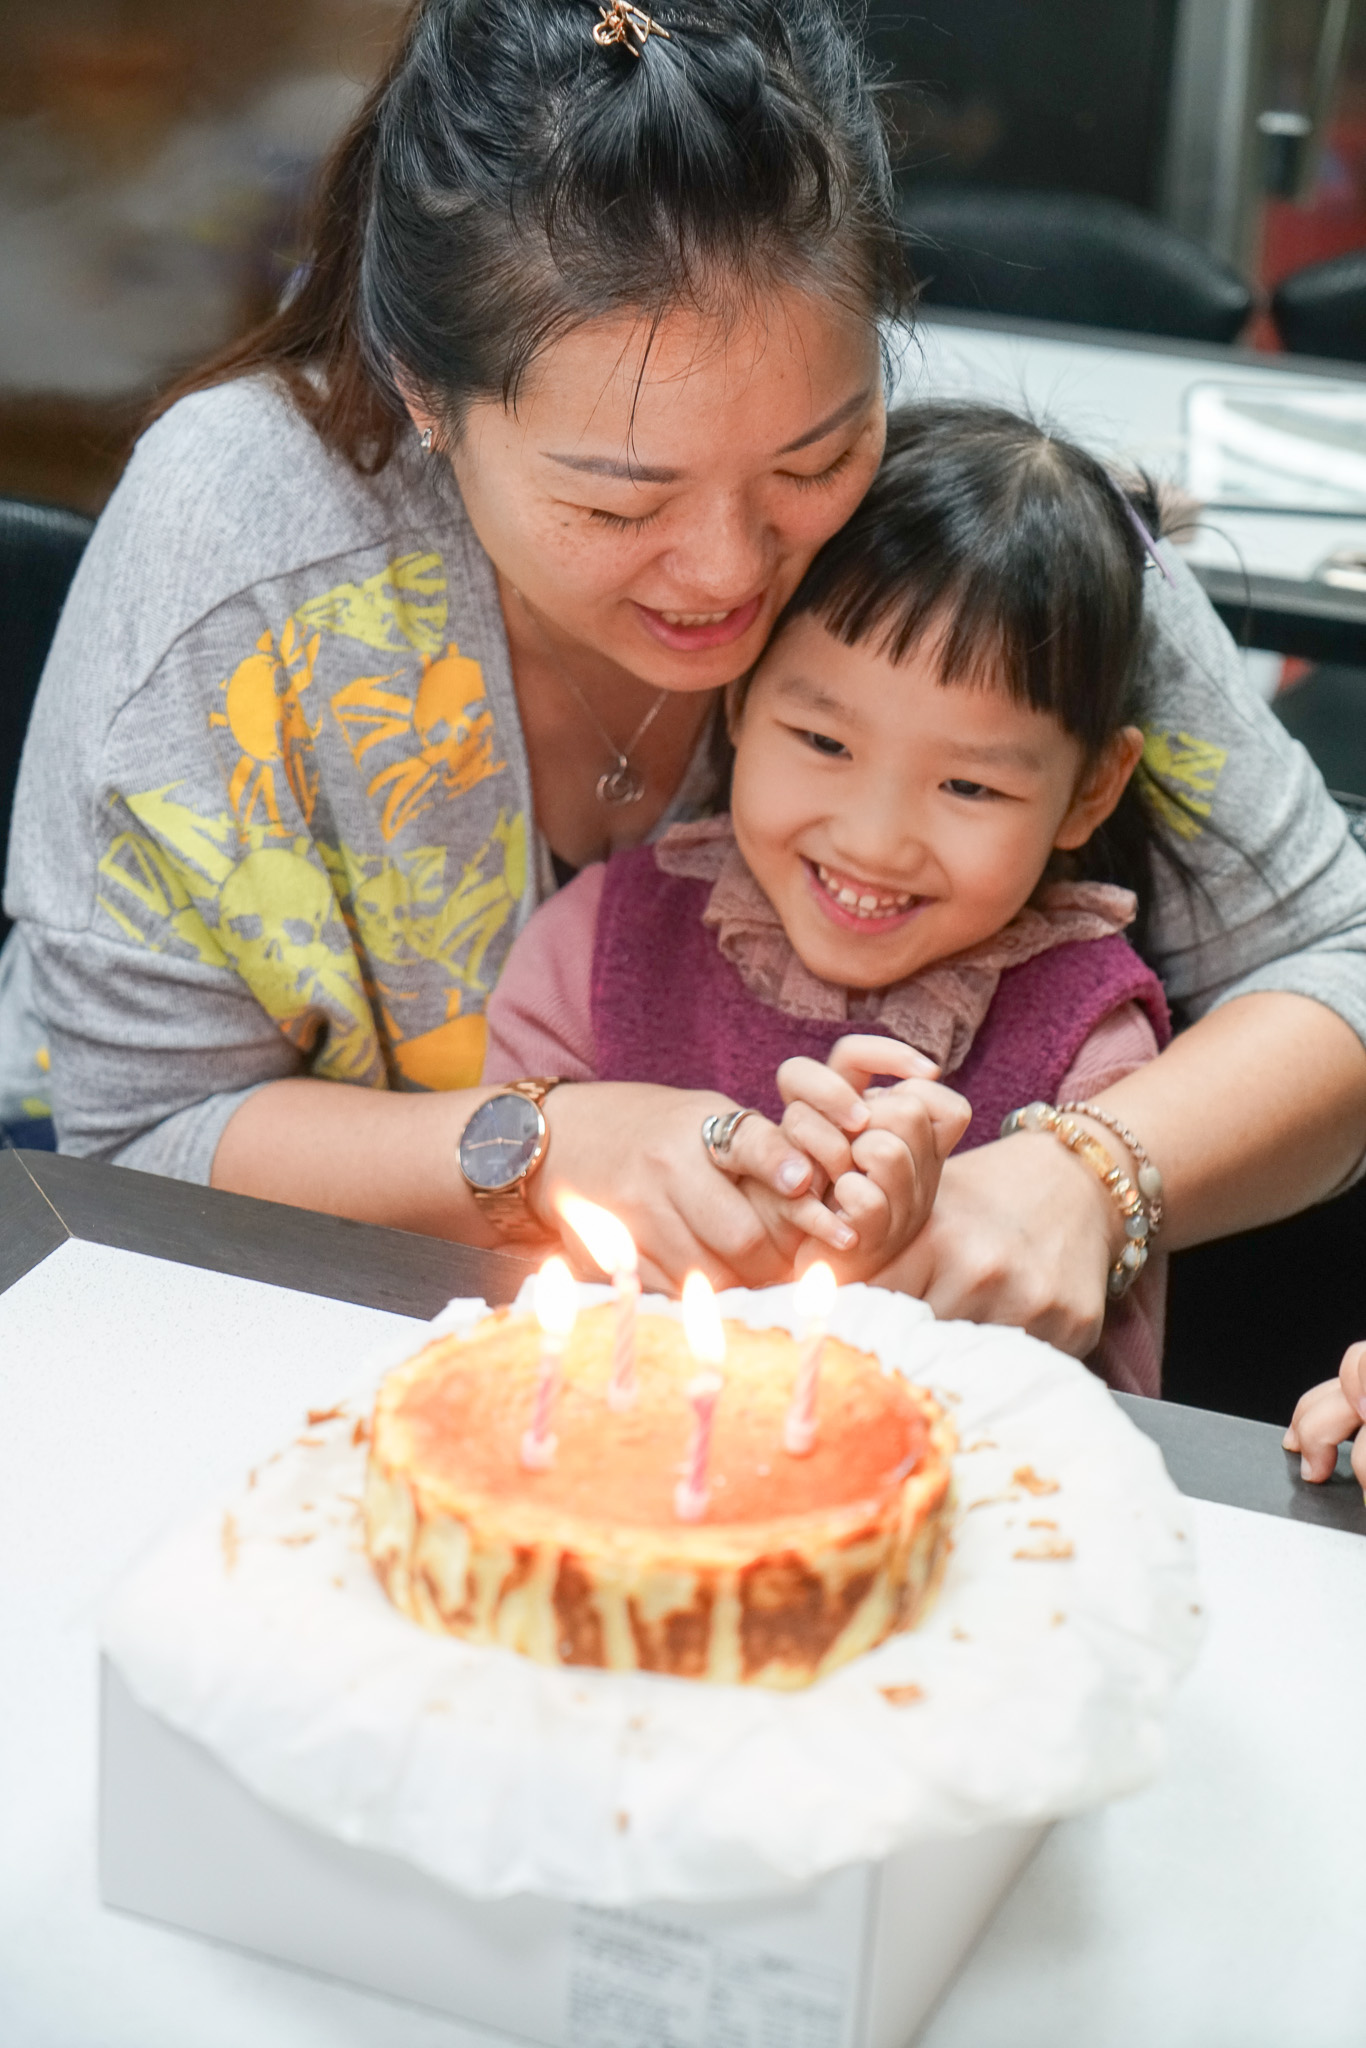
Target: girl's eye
(957,785)
(821,476)
(618,521)
(823,744)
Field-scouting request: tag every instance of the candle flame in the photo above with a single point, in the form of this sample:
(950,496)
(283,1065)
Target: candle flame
(702,1321)
(814,1293)
(557,1298)
(609,1242)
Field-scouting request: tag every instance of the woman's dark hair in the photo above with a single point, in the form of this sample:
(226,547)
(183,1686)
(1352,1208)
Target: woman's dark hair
(1023,552)
(509,179)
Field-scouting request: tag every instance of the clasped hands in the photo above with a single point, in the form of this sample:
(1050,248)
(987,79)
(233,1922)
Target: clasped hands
(874,1154)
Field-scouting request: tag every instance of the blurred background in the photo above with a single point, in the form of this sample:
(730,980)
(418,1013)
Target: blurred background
(154,156)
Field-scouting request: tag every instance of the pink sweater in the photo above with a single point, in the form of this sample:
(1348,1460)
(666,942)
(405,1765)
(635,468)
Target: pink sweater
(540,1021)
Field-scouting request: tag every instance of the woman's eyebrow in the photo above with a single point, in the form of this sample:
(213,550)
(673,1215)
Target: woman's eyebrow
(626,471)
(832,420)
(610,465)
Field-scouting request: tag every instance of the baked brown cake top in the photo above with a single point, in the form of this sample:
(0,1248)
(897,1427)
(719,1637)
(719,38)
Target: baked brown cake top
(464,1403)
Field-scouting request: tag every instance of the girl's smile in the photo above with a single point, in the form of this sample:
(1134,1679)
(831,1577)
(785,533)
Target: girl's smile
(850,901)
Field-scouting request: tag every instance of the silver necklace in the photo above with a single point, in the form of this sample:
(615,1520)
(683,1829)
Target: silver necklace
(623,783)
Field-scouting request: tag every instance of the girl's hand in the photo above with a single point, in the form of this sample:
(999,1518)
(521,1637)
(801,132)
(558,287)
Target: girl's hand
(1021,1233)
(1330,1415)
(880,1150)
(637,1149)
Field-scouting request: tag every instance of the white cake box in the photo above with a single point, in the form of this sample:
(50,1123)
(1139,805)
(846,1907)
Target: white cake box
(856,1960)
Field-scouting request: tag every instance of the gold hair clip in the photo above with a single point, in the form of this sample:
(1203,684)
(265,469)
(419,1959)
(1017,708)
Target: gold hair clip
(620,22)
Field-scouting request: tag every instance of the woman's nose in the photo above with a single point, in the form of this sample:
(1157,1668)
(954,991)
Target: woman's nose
(725,554)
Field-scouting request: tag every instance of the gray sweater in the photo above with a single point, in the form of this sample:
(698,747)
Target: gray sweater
(274,814)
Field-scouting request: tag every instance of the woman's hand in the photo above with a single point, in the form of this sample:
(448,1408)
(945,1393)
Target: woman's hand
(879,1150)
(1021,1233)
(1329,1415)
(637,1149)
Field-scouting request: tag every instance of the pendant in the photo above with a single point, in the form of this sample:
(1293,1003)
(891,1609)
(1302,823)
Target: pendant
(620,785)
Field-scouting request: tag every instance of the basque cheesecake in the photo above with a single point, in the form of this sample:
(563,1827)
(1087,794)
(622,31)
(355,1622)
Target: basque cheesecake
(797,1564)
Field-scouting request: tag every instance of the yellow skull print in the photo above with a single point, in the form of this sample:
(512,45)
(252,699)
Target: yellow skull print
(450,720)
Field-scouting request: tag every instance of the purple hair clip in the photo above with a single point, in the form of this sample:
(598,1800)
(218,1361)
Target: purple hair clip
(1149,544)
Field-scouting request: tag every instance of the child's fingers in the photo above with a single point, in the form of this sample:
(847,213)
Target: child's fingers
(803,1080)
(818,1138)
(862,1056)
(865,1204)
(914,1106)
(1323,1419)
(1352,1378)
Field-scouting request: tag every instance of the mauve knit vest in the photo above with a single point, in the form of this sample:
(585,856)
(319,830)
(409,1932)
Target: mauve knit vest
(668,1007)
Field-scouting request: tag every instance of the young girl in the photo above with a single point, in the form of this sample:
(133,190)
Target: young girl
(934,750)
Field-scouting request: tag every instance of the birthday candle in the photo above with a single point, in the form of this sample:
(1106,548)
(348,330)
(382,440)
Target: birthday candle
(707,1342)
(556,1303)
(815,1298)
(610,1245)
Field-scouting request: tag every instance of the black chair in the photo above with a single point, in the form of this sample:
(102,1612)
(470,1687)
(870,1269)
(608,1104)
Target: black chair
(1068,257)
(1321,310)
(40,546)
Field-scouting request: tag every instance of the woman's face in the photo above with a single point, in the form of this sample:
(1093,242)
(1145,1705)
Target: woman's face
(656,496)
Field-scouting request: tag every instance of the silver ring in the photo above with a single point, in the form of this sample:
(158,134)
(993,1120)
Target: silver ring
(718,1133)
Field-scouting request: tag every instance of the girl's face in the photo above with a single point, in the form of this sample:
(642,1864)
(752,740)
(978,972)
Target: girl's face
(657,495)
(892,820)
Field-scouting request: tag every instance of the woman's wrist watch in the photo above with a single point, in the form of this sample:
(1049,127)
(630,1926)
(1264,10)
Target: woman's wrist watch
(502,1148)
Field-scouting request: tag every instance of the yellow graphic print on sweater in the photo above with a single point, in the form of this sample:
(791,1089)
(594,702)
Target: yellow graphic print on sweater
(1190,769)
(449,718)
(264,711)
(349,951)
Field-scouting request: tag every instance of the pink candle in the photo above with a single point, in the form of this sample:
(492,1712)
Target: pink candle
(556,1302)
(707,1343)
(691,1493)
(815,1298)
(610,1245)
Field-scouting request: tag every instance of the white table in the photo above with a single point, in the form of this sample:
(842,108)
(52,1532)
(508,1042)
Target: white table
(1225,1905)
(1126,398)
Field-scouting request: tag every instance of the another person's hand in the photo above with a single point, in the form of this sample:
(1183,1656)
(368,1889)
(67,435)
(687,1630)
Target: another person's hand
(1332,1414)
(1021,1233)
(880,1150)
(637,1149)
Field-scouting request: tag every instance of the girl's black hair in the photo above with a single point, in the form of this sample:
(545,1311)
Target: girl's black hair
(1022,551)
(509,179)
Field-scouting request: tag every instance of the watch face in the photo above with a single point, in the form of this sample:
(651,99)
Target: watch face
(501,1142)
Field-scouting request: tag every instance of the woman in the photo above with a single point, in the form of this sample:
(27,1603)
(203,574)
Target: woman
(424,597)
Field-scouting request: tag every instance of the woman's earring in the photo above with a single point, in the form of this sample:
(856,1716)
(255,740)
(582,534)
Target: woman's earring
(425,441)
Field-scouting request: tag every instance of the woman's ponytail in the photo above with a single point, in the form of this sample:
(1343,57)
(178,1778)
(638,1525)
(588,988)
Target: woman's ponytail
(509,179)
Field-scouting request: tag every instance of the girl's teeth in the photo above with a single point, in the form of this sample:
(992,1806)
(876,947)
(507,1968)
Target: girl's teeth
(693,618)
(865,904)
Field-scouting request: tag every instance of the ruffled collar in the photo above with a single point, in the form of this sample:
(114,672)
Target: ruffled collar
(940,1010)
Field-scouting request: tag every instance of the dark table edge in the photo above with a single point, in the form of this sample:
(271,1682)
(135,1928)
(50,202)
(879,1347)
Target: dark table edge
(46,1199)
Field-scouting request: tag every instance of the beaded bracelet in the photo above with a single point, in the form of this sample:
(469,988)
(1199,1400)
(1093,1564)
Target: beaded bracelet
(1149,1177)
(1041,1116)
